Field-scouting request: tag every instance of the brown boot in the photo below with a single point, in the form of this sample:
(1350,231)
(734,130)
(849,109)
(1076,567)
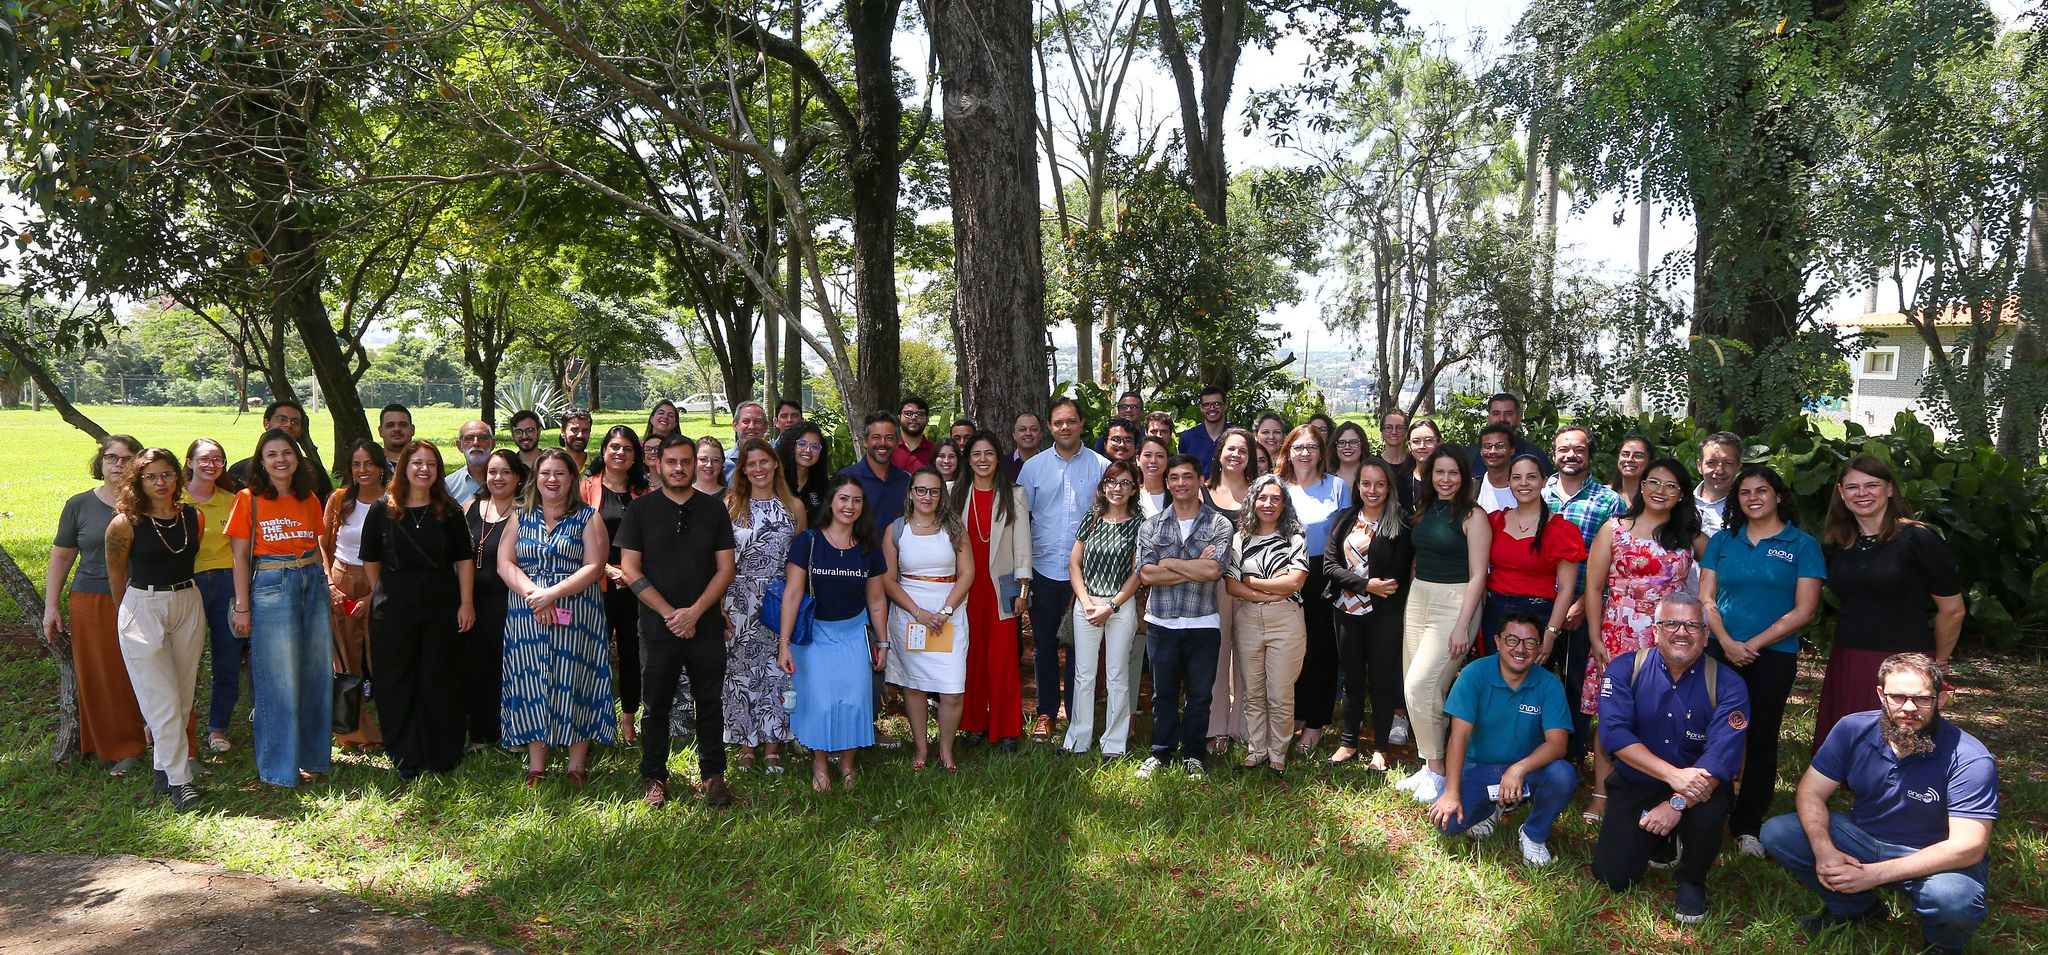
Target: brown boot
(657,792)
(716,793)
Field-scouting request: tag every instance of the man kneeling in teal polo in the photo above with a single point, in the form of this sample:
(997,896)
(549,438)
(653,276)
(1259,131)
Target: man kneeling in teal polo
(1509,723)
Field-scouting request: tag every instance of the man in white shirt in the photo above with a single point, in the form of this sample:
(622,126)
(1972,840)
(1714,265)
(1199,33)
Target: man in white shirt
(1496,451)
(475,441)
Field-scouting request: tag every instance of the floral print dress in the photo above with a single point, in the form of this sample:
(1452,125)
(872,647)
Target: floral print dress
(1642,573)
(754,681)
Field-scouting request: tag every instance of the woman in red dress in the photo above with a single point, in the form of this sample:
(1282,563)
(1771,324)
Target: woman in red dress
(998,525)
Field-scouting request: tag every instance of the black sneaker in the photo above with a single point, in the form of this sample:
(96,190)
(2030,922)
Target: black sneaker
(184,797)
(161,784)
(1691,902)
(1666,854)
(1824,920)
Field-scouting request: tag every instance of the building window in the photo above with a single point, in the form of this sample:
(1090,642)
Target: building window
(1882,362)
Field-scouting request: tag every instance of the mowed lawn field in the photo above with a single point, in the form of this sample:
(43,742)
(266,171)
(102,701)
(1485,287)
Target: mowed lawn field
(1025,853)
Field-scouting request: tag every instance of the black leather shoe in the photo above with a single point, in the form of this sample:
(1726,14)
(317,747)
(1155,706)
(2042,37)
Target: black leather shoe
(1008,745)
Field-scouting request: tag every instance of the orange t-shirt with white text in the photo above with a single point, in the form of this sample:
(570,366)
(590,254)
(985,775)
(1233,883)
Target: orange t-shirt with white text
(289,525)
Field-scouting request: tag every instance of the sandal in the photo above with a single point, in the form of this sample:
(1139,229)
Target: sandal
(846,779)
(1218,745)
(1306,745)
(218,743)
(1591,817)
(576,778)
(743,762)
(772,765)
(821,781)
(917,765)
(122,766)
(1339,760)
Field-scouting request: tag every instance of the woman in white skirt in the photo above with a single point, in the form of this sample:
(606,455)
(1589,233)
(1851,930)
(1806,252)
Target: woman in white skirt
(929,576)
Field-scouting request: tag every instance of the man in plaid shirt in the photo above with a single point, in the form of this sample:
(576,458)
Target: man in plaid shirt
(1181,552)
(1588,504)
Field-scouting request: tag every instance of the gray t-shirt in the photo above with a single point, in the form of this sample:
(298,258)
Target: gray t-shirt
(83,524)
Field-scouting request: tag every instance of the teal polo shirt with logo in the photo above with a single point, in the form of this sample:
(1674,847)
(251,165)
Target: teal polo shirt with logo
(1507,725)
(1758,583)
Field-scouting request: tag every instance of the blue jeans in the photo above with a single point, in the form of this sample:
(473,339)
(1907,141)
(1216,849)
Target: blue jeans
(1181,660)
(1550,791)
(217,595)
(1498,606)
(1050,600)
(291,672)
(1951,904)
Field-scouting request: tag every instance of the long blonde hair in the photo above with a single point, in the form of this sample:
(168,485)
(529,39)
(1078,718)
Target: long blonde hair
(739,492)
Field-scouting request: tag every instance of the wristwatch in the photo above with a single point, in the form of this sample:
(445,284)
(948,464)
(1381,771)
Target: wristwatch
(1679,802)
(946,611)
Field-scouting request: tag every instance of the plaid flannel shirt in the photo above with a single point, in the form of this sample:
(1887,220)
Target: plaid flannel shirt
(1587,510)
(1159,539)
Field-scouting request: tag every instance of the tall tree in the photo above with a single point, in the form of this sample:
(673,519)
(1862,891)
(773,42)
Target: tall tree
(991,124)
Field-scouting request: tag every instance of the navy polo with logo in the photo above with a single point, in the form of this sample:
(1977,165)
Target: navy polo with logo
(1909,801)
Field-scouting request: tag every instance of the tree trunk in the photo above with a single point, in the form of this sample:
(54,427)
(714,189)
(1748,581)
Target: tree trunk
(596,379)
(999,308)
(296,276)
(2026,394)
(40,374)
(1641,332)
(17,585)
(872,164)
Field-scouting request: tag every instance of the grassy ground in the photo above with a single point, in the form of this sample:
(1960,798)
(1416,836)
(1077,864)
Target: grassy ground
(1025,853)
(46,458)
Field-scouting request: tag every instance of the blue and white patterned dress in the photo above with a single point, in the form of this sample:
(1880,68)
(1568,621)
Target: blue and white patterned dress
(557,679)
(754,678)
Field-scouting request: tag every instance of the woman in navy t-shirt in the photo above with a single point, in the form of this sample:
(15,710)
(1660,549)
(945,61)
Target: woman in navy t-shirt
(841,565)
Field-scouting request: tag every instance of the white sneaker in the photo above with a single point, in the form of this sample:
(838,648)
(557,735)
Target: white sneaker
(1397,735)
(1410,781)
(1193,767)
(1482,829)
(1533,852)
(1152,764)
(1431,787)
(1750,846)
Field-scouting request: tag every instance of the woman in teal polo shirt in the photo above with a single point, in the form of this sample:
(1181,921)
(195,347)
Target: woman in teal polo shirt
(1760,581)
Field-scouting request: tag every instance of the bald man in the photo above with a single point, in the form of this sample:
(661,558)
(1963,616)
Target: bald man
(475,441)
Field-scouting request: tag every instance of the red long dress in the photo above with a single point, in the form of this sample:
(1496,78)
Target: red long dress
(995,693)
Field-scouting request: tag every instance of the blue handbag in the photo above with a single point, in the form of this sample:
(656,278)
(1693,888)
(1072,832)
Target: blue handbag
(806,612)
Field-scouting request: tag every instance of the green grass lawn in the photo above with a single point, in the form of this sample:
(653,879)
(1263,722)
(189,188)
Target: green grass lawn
(1027,853)
(45,458)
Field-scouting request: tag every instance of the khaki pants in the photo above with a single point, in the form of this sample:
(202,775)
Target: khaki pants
(1426,662)
(161,636)
(1271,639)
(1226,692)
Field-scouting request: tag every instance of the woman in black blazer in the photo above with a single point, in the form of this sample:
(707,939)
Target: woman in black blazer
(1368,563)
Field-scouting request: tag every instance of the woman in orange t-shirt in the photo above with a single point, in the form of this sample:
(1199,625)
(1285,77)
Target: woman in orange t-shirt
(281,606)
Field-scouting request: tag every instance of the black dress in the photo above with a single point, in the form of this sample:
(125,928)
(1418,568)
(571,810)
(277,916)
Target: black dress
(483,648)
(413,636)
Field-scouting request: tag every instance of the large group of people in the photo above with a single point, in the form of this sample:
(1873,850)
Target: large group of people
(1497,606)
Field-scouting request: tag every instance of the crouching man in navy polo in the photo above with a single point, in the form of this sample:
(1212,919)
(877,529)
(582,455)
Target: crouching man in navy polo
(1926,794)
(1509,724)
(1675,721)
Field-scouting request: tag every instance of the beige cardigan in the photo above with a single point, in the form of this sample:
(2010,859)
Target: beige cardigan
(1009,547)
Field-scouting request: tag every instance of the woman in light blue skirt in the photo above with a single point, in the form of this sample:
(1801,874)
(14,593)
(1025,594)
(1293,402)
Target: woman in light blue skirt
(841,566)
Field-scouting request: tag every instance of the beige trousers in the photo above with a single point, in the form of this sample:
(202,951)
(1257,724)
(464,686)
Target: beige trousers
(1426,662)
(1271,640)
(161,637)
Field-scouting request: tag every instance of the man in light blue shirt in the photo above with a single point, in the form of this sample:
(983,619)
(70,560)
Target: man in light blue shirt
(748,422)
(1059,484)
(475,441)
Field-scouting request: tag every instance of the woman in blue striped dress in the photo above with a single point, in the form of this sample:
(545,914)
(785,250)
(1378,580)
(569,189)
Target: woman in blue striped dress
(558,672)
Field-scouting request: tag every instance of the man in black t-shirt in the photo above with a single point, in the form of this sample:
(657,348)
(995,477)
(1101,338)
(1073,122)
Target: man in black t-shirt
(676,549)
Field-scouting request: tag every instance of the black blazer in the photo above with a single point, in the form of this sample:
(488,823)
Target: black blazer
(1387,557)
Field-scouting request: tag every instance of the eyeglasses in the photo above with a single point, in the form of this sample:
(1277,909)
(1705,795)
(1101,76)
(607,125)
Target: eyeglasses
(809,446)
(160,477)
(1350,443)
(1900,700)
(525,432)
(913,413)
(1304,448)
(1212,404)
(1662,485)
(1118,483)
(925,492)
(474,439)
(112,458)
(1130,406)
(1508,640)
(1681,626)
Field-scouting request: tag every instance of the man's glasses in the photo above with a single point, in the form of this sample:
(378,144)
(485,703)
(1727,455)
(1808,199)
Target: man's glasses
(1899,700)
(526,432)
(1681,626)
(1212,404)
(1515,640)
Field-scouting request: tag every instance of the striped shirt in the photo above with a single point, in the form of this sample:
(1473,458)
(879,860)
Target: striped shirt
(1267,556)
(1108,553)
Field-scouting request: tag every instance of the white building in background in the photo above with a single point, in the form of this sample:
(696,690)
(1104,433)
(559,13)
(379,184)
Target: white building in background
(1888,375)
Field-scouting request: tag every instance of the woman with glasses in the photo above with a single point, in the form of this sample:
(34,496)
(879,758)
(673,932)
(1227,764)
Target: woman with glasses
(802,450)
(1760,580)
(109,723)
(1103,570)
(996,519)
(710,467)
(1348,450)
(1314,496)
(348,587)
(1630,460)
(152,544)
(930,574)
(210,488)
(615,478)
(557,672)
(1636,559)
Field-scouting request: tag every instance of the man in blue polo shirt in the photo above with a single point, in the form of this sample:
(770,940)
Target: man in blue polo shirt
(1509,722)
(1588,504)
(1926,795)
(882,482)
(1675,722)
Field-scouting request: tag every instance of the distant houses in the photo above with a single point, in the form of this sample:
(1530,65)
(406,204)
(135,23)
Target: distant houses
(1889,373)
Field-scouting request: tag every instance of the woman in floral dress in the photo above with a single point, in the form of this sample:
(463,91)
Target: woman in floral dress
(765,515)
(1636,559)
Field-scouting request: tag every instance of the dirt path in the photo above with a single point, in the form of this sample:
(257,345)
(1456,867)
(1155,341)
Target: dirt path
(52,904)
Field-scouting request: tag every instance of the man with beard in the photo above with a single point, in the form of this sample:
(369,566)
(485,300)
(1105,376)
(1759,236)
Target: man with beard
(475,441)
(394,425)
(1588,504)
(1675,721)
(1201,439)
(1120,441)
(1926,794)
(576,436)
(1509,721)
(913,450)
(526,437)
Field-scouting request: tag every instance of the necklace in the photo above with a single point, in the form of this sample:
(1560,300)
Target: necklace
(924,525)
(983,536)
(184,532)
